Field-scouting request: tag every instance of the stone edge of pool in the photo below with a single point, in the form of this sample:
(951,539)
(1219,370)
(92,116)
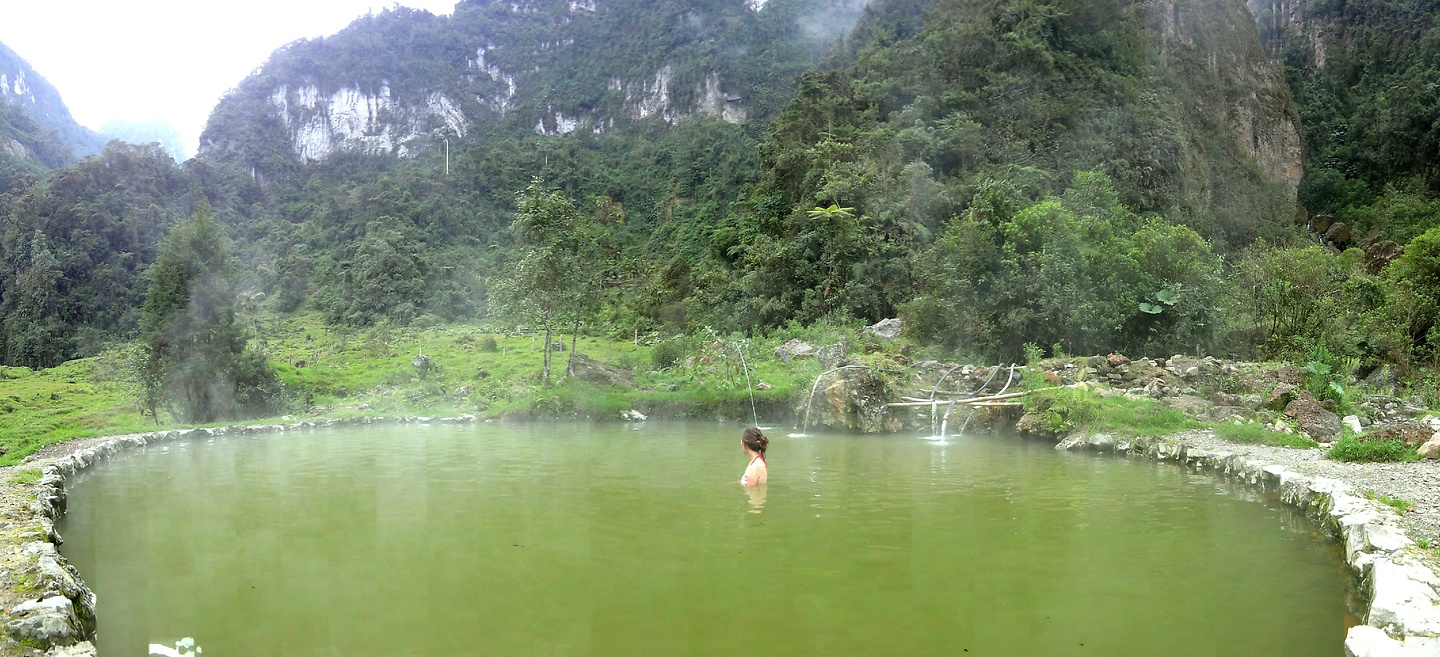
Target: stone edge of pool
(1402,591)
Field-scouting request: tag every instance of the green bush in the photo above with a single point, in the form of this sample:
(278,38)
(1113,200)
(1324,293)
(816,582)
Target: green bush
(1325,376)
(487,343)
(667,354)
(1351,450)
(1014,270)
(1290,299)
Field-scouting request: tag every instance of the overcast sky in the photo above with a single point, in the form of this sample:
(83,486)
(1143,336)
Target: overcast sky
(165,59)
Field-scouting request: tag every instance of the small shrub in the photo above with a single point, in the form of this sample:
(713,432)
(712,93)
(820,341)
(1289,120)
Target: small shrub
(1033,353)
(1325,375)
(667,354)
(487,343)
(1351,450)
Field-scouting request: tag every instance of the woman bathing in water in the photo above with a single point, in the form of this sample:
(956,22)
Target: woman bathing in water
(754,442)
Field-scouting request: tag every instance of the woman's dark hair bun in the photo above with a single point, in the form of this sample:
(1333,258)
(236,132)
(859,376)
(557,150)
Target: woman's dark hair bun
(755,440)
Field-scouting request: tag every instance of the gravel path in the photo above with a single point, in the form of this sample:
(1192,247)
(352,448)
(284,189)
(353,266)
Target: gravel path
(1413,482)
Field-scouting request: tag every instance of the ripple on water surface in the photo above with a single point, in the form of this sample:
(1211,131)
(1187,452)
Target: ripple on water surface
(597,540)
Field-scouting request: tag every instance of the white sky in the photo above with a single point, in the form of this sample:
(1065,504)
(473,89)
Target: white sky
(165,59)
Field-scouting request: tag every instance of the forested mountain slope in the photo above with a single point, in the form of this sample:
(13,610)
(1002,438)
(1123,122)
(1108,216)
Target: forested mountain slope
(1366,78)
(35,125)
(399,82)
(728,192)
(1174,102)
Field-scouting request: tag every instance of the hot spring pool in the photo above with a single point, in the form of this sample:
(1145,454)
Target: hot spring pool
(576,539)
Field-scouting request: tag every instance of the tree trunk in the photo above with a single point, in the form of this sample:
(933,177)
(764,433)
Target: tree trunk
(545,378)
(574,338)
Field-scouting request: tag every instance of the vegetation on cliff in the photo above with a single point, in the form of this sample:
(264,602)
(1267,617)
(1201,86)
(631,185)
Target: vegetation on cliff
(1070,175)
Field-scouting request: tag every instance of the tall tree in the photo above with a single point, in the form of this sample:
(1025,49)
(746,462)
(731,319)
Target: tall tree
(549,282)
(33,331)
(196,365)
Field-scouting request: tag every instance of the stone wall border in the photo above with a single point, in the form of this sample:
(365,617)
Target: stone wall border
(1400,589)
(62,621)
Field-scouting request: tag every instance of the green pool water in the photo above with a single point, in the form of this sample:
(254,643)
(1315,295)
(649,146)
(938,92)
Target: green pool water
(574,539)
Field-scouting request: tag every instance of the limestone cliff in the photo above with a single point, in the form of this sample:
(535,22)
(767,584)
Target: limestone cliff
(1214,49)
(401,81)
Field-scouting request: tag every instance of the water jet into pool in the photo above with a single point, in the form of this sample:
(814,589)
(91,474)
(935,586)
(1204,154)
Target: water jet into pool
(594,539)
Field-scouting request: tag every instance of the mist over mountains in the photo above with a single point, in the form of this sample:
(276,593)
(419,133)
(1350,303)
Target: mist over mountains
(148,132)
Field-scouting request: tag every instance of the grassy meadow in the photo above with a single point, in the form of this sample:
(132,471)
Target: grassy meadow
(337,372)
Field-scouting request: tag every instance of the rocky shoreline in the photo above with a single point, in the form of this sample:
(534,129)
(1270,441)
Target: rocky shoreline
(49,610)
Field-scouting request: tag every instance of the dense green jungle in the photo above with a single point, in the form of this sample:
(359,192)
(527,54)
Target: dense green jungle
(1009,177)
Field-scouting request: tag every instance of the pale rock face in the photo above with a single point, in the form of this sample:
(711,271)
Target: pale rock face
(15,149)
(350,120)
(501,102)
(1258,107)
(15,86)
(1279,14)
(652,98)
(563,125)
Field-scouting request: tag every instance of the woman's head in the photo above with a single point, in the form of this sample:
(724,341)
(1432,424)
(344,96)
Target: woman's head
(754,440)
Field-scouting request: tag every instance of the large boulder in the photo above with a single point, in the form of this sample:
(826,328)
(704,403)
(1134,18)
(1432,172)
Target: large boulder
(52,621)
(1189,405)
(1382,378)
(1227,413)
(1291,375)
(1413,433)
(1339,233)
(1431,448)
(887,330)
(1380,253)
(792,350)
(832,355)
(1312,418)
(855,400)
(593,371)
(1280,397)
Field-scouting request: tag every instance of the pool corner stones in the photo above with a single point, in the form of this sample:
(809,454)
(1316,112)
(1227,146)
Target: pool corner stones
(59,615)
(1403,591)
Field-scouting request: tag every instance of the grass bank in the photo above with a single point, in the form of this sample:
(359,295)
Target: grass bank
(340,372)
(1063,410)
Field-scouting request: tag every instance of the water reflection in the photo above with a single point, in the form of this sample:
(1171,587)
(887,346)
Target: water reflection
(757,497)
